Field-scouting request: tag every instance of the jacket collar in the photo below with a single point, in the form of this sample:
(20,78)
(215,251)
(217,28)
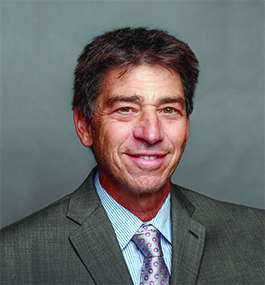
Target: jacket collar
(188,239)
(95,241)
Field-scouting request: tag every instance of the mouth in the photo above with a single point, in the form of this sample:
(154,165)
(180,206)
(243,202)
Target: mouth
(147,157)
(148,161)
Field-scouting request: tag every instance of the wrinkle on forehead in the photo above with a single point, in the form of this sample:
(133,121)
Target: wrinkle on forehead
(143,83)
(138,98)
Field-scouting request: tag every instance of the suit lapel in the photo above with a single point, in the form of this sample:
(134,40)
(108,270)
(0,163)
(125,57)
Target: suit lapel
(188,240)
(96,244)
(95,241)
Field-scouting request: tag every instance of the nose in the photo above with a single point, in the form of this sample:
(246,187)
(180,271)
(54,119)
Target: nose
(149,128)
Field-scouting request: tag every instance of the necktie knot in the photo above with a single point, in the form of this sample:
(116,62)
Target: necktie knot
(147,240)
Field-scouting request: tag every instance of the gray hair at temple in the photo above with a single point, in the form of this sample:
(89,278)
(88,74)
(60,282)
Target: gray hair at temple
(126,48)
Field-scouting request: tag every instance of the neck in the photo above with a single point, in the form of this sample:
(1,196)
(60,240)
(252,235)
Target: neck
(144,205)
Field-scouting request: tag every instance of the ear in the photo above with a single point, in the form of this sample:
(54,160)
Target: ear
(188,129)
(83,128)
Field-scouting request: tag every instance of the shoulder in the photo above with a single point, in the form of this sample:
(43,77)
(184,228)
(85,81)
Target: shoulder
(57,214)
(204,206)
(35,238)
(223,220)
(40,243)
(48,217)
(234,247)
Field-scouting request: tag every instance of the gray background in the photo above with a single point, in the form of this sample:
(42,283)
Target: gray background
(41,156)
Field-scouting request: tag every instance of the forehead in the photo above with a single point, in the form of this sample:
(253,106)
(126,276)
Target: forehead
(144,81)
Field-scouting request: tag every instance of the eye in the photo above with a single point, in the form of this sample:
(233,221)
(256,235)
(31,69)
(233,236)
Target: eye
(168,110)
(125,110)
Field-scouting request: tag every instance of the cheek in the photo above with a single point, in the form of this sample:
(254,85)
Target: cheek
(119,132)
(113,139)
(178,135)
(111,136)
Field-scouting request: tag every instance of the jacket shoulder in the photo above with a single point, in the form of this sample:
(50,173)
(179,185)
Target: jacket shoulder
(234,246)
(37,249)
(204,206)
(50,216)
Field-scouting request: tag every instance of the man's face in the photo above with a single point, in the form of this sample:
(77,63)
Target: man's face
(139,128)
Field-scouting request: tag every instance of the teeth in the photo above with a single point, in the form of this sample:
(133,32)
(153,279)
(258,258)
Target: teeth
(148,157)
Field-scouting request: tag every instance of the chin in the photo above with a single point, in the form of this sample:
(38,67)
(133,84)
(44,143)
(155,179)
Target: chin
(146,186)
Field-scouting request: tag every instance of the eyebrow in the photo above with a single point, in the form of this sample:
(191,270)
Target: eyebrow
(120,98)
(175,99)
(138,98)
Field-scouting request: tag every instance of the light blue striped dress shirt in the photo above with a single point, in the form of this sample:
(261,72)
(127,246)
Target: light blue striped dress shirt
(126,224)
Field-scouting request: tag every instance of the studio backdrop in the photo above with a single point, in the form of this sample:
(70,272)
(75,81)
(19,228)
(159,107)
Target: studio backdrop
(41,156)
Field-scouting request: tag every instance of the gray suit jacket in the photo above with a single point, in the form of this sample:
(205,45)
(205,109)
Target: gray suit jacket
(72,242)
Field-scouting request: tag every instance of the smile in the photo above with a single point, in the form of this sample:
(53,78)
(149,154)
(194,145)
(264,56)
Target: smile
(147,161)
(148,157)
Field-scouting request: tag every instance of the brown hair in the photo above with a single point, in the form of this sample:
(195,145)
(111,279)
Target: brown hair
(125,48)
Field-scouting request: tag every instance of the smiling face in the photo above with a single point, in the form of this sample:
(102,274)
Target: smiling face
(139,129)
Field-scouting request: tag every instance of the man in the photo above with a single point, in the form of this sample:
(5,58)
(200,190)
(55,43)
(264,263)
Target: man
(127,223)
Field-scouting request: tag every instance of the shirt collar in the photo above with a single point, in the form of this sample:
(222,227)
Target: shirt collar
(125,224)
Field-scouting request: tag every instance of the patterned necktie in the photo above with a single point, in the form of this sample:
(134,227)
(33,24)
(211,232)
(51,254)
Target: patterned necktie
(154,270)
